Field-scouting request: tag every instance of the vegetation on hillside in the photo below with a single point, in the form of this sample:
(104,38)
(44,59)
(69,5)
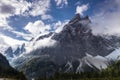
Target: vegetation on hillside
(6,71)
(12,74)
(111,73)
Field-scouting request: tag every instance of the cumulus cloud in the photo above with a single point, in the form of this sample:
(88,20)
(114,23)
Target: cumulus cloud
(107,21)
(39,7)
(46,42)
(10,8)
(58,26)
(81,9)
(22,7)
(14,7)
(61,3)
(37,27)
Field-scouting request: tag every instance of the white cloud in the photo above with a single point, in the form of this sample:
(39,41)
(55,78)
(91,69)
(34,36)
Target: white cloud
(61,3)
(4,24)
(46,42)
(37,27)
(10,41)
(39,7)
(78,3)
(22,7)
(81,9)
(58,26)
(3,45)
(46,17)
(5,29)
(107,22)
(10,8)
(21,34)
(14,7)
(6,10)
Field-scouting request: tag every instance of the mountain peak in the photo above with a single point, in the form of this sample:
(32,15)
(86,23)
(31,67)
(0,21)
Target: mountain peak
(75,18)
(78,18)
(77,29)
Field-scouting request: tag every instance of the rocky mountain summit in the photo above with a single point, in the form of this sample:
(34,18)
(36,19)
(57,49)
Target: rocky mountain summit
(76,49)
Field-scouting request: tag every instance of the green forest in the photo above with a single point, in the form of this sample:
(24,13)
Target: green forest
(10,73)
(6,71)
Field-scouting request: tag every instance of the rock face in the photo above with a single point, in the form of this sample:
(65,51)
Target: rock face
(76,50)
(3,62)
(6,71)
(76,39)
(10,52)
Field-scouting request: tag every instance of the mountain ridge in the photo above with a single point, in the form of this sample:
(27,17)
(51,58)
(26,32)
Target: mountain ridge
(76,50)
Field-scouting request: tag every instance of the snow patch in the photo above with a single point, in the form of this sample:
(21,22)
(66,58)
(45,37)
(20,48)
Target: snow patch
(115,55)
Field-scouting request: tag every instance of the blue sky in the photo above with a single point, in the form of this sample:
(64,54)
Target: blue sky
(20,20)
(58,12)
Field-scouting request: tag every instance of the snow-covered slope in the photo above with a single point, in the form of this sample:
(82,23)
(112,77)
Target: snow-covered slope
(94,62)
(115,55)
(87,63)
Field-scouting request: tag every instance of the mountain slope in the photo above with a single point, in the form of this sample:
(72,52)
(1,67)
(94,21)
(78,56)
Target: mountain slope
(6,71)
(75,49)
(115,55)
(110,73)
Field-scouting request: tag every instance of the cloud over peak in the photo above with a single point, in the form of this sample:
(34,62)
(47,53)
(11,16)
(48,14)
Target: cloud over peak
(37,27)
(81,9)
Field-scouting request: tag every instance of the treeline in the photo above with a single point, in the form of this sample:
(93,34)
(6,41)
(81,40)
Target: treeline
(111,73)
(6,71)
(12,74)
